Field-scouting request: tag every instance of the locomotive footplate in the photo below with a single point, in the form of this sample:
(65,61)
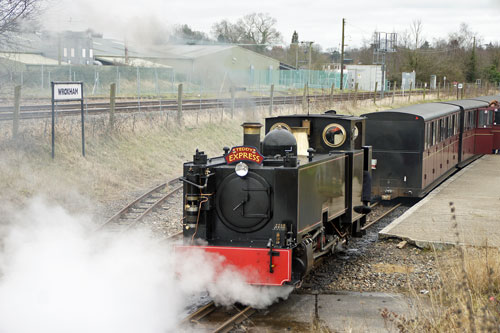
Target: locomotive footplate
(252,263)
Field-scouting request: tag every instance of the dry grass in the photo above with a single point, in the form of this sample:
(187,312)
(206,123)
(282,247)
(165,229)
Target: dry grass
(138,154)
(143,149)
(466,297)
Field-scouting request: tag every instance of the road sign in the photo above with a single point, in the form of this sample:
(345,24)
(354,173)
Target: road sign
(460,86)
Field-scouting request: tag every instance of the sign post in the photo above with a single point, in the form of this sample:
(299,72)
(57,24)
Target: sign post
(66,92)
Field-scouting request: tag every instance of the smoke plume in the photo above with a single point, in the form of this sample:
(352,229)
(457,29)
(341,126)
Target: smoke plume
(58,275)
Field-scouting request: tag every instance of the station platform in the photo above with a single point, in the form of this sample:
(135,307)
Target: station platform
(475,194)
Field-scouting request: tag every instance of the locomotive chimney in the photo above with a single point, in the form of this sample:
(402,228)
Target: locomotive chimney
(251,134)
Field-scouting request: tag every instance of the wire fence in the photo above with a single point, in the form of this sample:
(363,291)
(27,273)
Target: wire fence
(152,82)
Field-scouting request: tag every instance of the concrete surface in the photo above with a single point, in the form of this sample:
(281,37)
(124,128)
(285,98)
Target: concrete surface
(336,312)
(475,194)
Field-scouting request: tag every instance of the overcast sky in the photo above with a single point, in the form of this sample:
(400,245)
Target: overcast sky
(318,21)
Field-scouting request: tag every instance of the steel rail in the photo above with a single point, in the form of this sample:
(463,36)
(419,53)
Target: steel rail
(236,319)
(200,313)
(226,326)
(366,226)
(44,111)
(142,200)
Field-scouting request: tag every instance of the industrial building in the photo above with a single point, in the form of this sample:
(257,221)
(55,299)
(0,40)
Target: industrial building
(365,76)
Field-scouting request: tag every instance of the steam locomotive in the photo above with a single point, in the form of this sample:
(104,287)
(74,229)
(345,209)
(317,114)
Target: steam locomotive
(272,208)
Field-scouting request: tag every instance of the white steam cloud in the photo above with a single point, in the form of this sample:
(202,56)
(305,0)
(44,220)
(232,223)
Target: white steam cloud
(58,275)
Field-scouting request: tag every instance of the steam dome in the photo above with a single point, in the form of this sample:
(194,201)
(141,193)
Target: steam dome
(279,141)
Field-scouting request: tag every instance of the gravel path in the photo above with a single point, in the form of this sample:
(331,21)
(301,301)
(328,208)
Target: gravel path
(370,264)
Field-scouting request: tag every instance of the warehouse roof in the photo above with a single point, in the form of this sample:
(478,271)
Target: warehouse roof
(29,58)
(134,62)
(112,48)
(189,51)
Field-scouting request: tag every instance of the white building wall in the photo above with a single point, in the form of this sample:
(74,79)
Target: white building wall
(365,76)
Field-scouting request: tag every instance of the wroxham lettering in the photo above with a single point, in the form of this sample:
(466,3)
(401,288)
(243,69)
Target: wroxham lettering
(68,91)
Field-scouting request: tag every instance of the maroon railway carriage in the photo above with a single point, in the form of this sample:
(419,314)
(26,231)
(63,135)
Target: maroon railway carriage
(418,146)
(488,126)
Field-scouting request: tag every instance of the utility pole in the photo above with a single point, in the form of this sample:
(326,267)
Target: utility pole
(342,58)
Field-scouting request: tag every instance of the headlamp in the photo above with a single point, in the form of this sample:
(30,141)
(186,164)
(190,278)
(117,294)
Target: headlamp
(241,169)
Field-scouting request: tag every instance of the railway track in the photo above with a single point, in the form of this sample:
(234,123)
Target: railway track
(216,319)
(199,318)
(136,210)
(43,111)
(384,214)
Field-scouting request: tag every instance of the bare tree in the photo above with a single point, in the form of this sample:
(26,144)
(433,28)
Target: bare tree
(255,28)
(226,32)
(416,29)
(13,11)
(258,28)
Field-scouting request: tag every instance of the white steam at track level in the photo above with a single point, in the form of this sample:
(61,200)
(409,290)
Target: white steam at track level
(58,275)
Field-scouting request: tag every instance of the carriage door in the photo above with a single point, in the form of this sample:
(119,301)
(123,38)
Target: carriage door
(484,131)
(496,129)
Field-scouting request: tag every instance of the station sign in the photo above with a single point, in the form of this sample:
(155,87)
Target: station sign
(67,91)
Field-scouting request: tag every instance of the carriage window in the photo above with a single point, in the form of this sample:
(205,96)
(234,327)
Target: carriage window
(445,129)
(427,135)
(433,132)
(453,125)
(467,120)
(440,130)
(450,126)
(483,118)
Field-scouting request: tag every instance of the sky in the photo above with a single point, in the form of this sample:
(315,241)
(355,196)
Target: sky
(319,21)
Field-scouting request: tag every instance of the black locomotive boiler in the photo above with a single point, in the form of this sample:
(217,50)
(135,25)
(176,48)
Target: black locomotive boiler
(271,208)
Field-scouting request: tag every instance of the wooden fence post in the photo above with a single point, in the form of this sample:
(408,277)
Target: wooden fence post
(394,91)
(355,101)
(112,100)
(304,98)
(17,109)
(331,93)
(375,94)
(179,105)
(409,91)
(271,100)
(423,96)
(231,90)
(439,87)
